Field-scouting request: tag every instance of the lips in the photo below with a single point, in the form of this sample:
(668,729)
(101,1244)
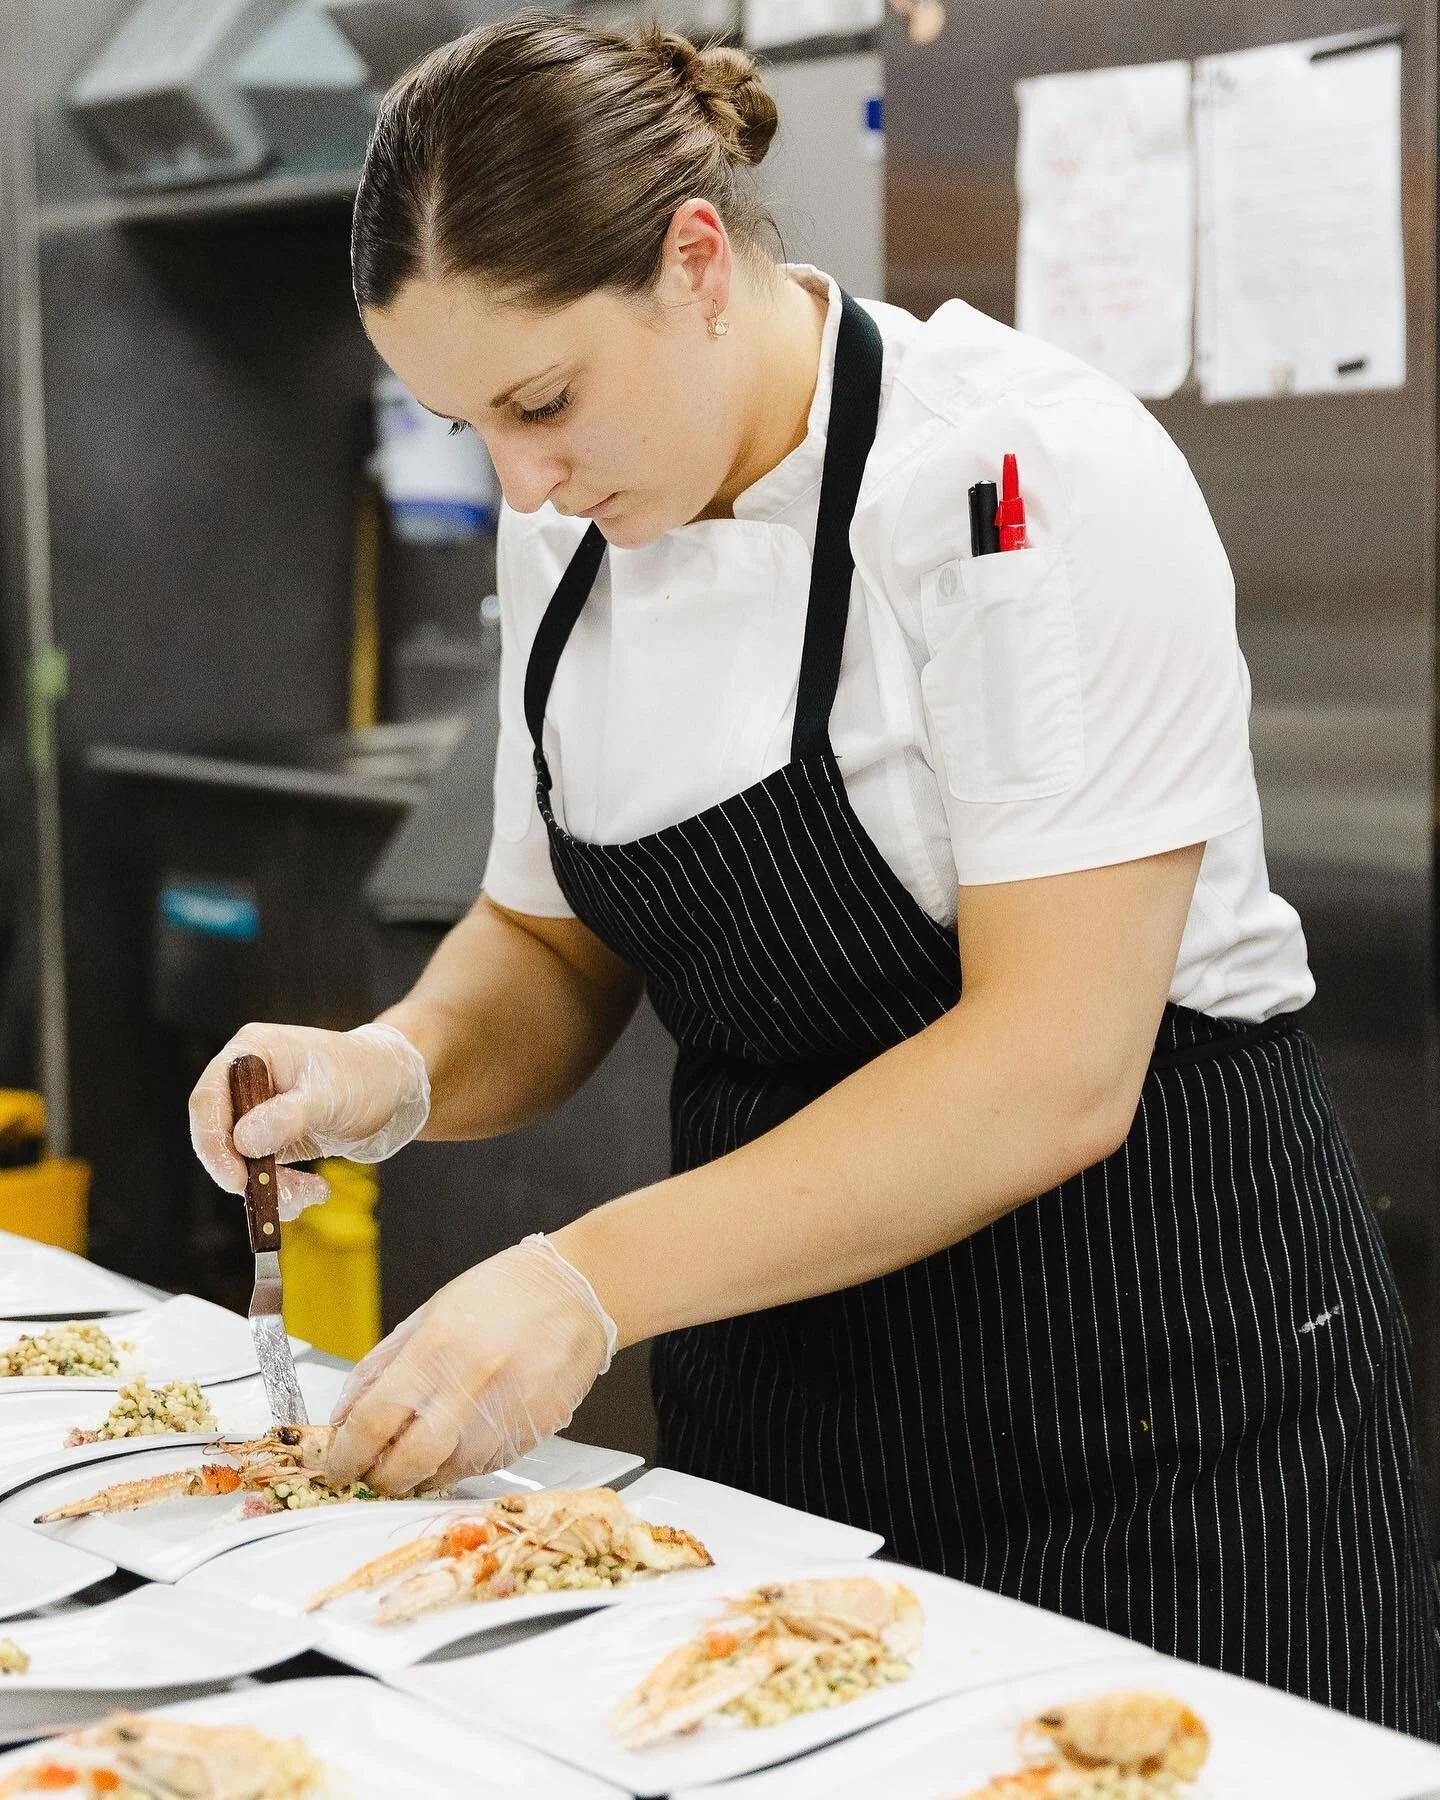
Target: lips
(598,510)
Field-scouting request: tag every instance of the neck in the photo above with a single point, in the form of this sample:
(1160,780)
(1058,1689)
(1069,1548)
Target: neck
(782,332)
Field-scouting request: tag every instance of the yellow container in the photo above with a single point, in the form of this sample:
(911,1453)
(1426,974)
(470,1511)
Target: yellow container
(22,1116)
(47,1201)
(330,1264)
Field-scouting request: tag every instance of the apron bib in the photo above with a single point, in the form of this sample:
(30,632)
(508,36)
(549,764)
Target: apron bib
(1170,1397)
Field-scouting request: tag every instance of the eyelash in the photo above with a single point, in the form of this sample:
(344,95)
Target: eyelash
(541,415)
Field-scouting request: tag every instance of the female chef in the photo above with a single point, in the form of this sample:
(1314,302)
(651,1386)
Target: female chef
(1064,1281)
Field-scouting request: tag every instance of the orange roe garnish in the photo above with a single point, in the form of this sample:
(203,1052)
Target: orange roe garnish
(51,1776)
(469,1534)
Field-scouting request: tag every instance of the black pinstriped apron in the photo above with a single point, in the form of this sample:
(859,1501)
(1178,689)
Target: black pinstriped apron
(1170,1397)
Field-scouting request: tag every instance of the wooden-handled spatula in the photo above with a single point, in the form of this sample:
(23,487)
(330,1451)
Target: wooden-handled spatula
(250,1086)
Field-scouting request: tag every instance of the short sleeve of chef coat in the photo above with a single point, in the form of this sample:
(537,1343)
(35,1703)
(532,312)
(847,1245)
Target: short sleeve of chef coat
(1085,699)
(518,873)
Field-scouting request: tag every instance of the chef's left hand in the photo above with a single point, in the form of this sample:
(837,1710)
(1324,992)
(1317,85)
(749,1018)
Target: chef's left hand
(489,1366)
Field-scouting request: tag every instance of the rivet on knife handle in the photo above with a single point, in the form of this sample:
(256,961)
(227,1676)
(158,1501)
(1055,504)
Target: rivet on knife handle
(251,1086)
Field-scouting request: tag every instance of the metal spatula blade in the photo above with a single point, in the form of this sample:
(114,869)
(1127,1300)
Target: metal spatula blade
(250,1086)
(272,1346)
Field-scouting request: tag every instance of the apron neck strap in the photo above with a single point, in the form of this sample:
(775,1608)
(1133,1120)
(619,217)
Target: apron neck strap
(854,409)
(566,605)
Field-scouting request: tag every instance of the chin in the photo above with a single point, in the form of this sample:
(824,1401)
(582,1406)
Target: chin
(638,525)
(631,531)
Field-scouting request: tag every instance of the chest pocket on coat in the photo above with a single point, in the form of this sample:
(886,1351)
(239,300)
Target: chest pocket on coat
(1002,687)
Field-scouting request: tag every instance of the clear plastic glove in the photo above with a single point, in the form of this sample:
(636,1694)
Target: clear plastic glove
(485,1370)
(361,1094)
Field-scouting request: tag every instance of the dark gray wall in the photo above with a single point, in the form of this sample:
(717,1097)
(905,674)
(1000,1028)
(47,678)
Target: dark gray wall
(18,1061)
(1337,622)
(206,389)
(206,393)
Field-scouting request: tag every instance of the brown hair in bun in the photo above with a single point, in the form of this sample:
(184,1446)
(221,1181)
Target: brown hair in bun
(728,87)
(548,159)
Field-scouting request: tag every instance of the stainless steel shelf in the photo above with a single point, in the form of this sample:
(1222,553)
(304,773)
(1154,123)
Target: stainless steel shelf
(255,778)
(202,205)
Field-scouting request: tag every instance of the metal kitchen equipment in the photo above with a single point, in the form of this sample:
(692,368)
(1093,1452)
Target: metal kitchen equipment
(157,104)
(311,90)
(392,34)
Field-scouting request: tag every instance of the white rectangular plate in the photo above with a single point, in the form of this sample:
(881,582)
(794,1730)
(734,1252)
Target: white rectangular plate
(146,1641)
(1263,1744)
(39,1281)
(557,1463)
(558,1691)
(168,1540)
(34,1571)
(183,1339)
(376,1745)
(279,1574)
(33,1426)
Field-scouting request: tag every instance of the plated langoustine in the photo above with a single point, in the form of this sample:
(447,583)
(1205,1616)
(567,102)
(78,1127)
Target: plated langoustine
(281,1471)
(523,1543)
(1151,1741)
(162,1759)
(794,1647)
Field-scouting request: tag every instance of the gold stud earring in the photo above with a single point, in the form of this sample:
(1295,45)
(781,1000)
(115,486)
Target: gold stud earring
(718,325)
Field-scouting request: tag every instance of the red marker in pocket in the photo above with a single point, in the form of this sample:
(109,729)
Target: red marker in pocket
(1010,514)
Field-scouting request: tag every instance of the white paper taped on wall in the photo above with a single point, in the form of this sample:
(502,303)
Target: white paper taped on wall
(1106,257)
(769,22)
(1301,284)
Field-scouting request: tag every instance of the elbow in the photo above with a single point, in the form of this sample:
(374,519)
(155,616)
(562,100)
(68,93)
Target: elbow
(1098,1123)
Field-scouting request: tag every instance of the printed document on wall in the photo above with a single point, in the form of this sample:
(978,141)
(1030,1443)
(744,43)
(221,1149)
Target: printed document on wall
(1107,221)
(1301,260)
(770,22)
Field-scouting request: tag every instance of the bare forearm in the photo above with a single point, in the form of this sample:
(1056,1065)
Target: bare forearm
(927,1144)
(1032,1077)
(508,1027)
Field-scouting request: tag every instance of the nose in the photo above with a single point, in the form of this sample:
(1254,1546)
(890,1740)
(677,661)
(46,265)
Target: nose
(529,473)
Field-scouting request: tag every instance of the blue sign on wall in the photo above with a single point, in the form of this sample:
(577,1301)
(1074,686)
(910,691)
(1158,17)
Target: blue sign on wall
(211,911)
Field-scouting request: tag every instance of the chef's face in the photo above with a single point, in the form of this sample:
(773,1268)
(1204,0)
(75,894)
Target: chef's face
(618,407)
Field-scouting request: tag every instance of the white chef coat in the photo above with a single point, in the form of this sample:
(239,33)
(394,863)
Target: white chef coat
(1080,703)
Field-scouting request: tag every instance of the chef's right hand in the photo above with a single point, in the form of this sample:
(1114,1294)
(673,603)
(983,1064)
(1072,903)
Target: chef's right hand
(360,1094)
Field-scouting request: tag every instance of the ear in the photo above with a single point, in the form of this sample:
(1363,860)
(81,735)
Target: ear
(697,264)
